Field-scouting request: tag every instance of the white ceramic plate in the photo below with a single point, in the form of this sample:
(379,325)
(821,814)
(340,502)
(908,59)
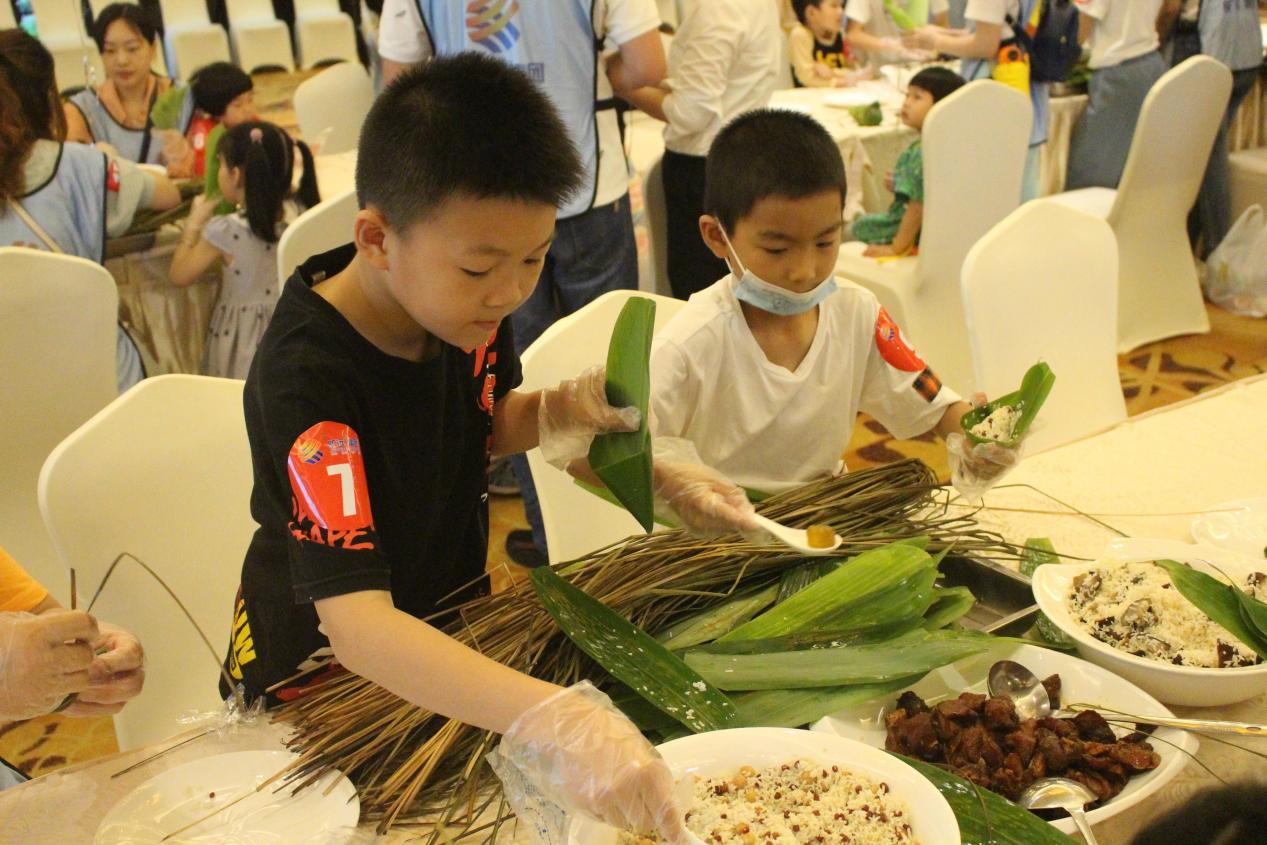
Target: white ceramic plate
(1081,682)
(722,752)
(325,813)
(849,99)
(1188,685)
(1240,526)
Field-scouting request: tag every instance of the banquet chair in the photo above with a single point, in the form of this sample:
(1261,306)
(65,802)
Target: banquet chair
(190,39)
(974,143)
(576,521)
(62,32)
(1247,177)
(324,33)
(162,473)
(57,368)
(7,20)
(258,38)
(1159,295)
(326,225)
(334,102)
(1028,296)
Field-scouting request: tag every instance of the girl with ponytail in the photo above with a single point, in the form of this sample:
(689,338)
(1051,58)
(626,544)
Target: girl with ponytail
(257,164)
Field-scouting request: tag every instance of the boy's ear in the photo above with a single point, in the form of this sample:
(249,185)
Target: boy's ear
(710,230)
(369,232)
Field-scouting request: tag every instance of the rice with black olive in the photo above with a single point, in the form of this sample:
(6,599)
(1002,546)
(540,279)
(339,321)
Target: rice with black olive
(1135,608)
(796,803)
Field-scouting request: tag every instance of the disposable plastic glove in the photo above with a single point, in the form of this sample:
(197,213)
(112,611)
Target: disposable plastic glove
(703,500)
(976,467)
(117,673)
(572,413)
(583,755)
(43,659)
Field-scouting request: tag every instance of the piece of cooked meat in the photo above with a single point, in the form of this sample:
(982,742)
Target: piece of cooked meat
(1092,727)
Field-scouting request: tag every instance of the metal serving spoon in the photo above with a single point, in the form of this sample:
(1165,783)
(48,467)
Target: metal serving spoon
(1063,794)
(795,538)
(1008,679)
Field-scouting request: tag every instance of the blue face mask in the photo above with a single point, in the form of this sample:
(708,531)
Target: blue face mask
(772,298)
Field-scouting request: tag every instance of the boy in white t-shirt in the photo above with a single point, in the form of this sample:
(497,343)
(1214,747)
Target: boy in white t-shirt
(765,371)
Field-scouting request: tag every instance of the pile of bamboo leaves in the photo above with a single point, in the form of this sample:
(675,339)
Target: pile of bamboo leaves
(408,762)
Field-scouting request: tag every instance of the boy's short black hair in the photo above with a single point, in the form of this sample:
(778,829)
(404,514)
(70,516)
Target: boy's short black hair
(141,21)
(1227,815)
(216,85)
(938,81)
(463,125)
(799,6)
(769,152)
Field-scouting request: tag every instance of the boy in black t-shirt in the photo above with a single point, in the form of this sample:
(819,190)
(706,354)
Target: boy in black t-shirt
(380,389)
(817,48)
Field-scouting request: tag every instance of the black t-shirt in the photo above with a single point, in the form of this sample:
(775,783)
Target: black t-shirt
(370,474)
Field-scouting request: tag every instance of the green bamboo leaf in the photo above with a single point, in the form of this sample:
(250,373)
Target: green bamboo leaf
(949,605)
(623,459)
(714,622)
(984,817)
(1039,551)
(913,653)
(632,656)
(1216,600)
(794,708)
(866,574)
(1028,399)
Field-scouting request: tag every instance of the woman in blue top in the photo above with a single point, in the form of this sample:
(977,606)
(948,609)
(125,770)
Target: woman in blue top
(59,197)
(117,112)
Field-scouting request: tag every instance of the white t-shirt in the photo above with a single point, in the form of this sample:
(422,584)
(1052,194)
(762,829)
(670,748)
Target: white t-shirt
(993,11)
(1123,30)
(403,39)
(768,428)
(724,60)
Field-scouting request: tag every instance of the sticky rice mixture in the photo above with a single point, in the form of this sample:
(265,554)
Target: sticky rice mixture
(1136,609)
(998,425)
(797,802)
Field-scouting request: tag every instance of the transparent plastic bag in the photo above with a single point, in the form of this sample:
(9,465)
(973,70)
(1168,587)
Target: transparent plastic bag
(1236,274)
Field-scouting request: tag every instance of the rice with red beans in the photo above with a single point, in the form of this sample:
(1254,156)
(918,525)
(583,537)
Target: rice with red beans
(797,803)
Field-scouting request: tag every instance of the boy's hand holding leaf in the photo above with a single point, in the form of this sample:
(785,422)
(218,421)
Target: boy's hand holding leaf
(573,412)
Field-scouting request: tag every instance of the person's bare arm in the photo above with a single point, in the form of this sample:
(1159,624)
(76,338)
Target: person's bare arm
(1166,17)
(950,420)
(392,69)
(166,195)
(983,43)
(424,666)
(1086,23)
(641,60)
(648,100)
(515,422)
(907,233)
(76,127)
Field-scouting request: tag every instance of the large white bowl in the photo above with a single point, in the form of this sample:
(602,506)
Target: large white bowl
(1187,685)
(722,752)
(1081,683)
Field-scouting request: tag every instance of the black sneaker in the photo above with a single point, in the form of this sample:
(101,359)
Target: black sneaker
(523,551)
(501,479)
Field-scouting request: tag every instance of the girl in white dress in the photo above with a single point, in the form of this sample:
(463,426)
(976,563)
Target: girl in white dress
(257,161)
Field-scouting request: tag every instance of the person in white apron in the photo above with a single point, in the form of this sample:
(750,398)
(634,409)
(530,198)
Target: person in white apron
(64,197)
(117,112)
(1229,32)
(559,44)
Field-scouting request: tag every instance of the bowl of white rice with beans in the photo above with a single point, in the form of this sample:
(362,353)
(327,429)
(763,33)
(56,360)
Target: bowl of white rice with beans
(753,786)
(1124,614)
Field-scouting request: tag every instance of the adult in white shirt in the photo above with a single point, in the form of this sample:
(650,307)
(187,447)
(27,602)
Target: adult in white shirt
(989,26)
(724,60)
(1229,32)
(871,29)
(558,43)
(1125,64)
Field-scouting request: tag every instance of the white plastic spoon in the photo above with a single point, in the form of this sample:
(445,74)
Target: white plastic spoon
(794,538)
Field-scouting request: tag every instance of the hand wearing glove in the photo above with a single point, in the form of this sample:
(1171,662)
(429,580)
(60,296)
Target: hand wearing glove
(585,756)
(704,501)
(116,675)
(572,413)
(43,659)
(976,467)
